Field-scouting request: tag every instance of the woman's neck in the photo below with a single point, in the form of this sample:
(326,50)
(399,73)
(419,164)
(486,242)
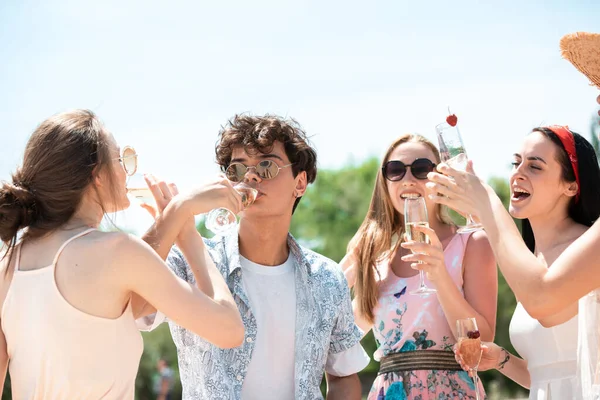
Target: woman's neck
(88,214)
(550,231)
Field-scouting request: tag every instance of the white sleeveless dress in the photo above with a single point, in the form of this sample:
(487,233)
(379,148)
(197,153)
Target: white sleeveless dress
(551,355)
(588,368)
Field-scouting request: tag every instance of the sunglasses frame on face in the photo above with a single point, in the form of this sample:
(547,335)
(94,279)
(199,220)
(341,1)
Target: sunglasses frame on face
(125,157)
(259,169)
(426,163)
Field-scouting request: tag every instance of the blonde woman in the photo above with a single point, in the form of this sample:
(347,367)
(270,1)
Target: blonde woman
(415,334)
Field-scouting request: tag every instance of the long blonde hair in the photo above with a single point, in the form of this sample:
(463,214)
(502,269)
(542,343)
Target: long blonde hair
(375,239)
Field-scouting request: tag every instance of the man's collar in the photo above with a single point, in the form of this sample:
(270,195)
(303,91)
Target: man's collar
(232,252)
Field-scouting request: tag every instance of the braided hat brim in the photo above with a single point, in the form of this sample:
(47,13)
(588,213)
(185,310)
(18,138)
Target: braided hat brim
(582,49)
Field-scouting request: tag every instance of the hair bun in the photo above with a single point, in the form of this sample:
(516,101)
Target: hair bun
(17,209)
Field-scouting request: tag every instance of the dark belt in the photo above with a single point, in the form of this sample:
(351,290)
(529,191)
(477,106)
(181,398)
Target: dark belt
(419,360)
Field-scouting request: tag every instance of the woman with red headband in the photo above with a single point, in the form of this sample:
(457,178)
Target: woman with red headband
(556,204)
(555,186)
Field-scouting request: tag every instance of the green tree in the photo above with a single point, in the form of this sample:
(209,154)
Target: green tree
(332,209)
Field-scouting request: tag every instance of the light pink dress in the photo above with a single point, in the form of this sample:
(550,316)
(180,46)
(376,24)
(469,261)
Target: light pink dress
(405,322)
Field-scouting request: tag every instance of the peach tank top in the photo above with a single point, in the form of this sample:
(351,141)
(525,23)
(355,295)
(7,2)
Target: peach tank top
(57,351)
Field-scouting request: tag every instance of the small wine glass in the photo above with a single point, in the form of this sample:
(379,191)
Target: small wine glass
(469,347)
(453,153)
(138,189)
(415,214)
(222,219)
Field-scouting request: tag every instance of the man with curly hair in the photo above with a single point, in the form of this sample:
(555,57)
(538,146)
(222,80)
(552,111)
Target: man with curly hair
(295,303)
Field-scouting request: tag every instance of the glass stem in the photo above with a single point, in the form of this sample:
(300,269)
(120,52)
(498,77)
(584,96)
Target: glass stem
(421,278)
(476,382)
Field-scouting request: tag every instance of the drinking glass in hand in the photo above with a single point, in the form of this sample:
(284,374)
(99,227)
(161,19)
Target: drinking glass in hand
(453,153)
(469,347)
(415,214)
(138,189)
(222,219)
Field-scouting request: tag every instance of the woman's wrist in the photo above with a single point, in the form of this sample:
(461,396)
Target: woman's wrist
(502,359)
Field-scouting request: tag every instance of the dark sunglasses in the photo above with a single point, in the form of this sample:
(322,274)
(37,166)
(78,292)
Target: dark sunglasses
(265,169)
(395,170)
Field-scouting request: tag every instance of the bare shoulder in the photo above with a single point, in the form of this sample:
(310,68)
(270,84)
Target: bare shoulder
(479,253)
(478,243)
(113,250)
(6,275)
(114,240)
(125,246)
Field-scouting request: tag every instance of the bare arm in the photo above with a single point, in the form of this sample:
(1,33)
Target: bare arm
(348,265)
(5,280)
(196,254)
(364,325)
(498,358)
(515,369)
(480,281)
(176,211)
(542,291)
(166,228)
(174,221)
(141,271)
(343,388)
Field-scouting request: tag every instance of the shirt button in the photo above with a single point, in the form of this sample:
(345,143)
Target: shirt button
(249,339)
(239,273)
(239,377)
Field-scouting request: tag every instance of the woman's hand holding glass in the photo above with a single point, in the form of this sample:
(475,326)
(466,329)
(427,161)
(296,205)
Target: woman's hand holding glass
(200,200)
(216,194)
(462,191)
(221,219)
(427,257)
(491,357)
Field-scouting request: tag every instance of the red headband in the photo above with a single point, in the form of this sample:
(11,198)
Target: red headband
(568,141)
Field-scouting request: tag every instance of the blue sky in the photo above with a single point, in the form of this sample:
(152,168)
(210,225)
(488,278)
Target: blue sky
(164,77)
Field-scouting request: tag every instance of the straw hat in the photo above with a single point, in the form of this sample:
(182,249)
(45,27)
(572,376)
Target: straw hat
(582,49)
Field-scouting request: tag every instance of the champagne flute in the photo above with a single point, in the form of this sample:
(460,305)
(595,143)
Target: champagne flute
(469,347)
(415,214)
(453,153)
(222,219)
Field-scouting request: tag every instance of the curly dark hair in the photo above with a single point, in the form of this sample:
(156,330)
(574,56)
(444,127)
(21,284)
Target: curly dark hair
(257,134)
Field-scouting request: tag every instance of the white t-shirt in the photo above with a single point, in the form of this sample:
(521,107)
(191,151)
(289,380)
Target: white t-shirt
(272,295)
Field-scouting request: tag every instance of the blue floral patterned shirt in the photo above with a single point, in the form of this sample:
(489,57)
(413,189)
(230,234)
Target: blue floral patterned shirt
(324,324)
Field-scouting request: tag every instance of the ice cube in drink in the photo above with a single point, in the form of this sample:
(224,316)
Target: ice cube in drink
(458,162)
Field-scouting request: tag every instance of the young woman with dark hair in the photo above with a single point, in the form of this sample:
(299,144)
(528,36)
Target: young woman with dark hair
(554,191)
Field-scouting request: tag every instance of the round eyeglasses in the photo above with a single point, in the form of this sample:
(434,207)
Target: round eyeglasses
(266,169)
(129,160)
